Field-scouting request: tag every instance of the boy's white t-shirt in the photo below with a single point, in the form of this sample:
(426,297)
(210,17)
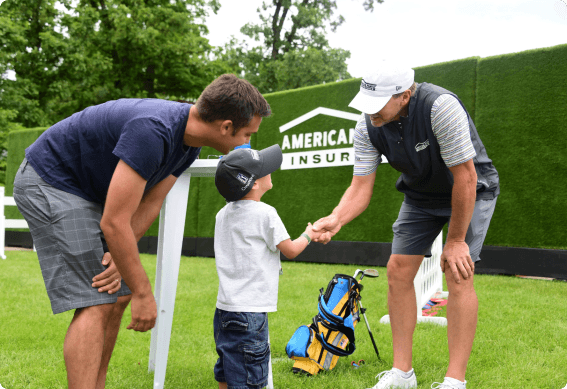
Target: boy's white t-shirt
(247,259)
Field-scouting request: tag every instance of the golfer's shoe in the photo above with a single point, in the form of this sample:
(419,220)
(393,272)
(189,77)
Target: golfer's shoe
(446,384)
(390,379)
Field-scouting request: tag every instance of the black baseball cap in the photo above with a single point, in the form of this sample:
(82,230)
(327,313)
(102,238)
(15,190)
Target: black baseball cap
(239,169)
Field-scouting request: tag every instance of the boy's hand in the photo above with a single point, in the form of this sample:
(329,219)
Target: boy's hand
(327,227)
(312,234)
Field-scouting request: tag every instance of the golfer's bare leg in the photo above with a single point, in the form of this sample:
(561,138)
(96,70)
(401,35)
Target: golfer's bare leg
(462,313)
(112,328)
(223,385)
(84,344)
(402,307)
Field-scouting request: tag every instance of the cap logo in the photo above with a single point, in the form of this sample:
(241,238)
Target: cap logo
(242,178)
(398,88)
(254,154)
(367,85)
(250,180)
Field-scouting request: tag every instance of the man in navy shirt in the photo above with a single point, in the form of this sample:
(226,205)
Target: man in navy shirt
(91,186)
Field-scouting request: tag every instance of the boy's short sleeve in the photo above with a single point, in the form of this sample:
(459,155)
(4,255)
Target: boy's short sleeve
(143,145)
(275,231)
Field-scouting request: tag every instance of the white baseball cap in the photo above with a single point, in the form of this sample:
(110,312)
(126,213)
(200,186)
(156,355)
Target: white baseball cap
(378,87)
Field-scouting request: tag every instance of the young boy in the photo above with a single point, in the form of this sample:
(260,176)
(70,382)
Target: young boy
(249,236)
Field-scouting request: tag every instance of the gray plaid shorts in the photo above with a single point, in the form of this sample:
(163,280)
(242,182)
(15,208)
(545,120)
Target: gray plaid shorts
(66,232)
(416,228)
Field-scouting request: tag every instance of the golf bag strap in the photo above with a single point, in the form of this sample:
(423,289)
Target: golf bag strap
(334,349)
(348,332)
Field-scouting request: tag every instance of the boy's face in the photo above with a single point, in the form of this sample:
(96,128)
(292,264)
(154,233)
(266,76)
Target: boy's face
(265,183)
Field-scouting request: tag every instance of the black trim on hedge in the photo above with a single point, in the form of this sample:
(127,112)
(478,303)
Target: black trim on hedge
(495,259)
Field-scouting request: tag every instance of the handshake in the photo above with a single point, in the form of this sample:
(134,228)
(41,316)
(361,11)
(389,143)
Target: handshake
(323,229)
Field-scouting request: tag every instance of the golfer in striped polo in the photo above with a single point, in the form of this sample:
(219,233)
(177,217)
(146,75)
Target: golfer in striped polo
(426,134)
(100,176)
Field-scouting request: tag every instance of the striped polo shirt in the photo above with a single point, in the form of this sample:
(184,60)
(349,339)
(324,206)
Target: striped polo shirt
(450,126)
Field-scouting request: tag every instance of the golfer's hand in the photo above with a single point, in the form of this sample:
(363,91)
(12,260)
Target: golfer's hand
(144,312)
(327,227)
(109,280)
(457,257)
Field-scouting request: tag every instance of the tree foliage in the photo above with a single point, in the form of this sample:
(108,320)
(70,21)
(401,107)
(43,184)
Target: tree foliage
(67,55)
(293,50)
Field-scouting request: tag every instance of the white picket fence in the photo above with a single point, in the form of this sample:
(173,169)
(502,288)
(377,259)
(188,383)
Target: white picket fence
(7,223)
(428,284)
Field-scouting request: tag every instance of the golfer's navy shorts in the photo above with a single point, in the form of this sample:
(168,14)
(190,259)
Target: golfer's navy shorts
(416,228)
(242,344)
(66,233)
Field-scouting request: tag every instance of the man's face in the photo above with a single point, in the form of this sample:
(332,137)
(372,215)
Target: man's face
(389,113)
(242,135)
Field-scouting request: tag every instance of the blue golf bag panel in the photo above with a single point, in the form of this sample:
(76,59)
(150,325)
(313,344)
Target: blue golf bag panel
(331,335)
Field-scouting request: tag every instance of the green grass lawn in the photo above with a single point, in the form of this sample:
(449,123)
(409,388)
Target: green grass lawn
(521,340)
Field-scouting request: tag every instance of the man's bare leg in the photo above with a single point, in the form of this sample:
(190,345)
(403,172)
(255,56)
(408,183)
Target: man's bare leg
(402,307)
(112,328)
(462,314)
(84,344)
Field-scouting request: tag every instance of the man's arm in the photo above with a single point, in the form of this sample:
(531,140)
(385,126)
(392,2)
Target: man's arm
(353,203)
(123,200)
(456,252)
(149,208)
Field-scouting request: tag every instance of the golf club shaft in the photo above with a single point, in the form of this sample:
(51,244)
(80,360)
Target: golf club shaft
(369,331)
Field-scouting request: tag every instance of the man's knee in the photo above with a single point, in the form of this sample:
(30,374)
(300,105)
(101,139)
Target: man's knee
(401,269)
(463,288)
(121,304)
(123,301)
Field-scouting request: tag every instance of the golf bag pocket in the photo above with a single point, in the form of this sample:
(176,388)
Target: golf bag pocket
(298,345)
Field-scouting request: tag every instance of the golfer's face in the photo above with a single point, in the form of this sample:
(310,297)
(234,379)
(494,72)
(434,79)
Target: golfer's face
(388,113)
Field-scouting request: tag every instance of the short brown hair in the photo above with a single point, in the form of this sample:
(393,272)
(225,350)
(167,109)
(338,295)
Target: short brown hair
(412,89)
(231,98)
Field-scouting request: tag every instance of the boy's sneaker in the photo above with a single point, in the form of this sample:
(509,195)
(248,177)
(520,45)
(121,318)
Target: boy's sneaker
(391,379)
(449,383)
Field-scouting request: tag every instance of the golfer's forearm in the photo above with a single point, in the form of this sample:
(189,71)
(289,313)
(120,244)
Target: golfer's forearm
(352,204)
(124,249)
(462,208)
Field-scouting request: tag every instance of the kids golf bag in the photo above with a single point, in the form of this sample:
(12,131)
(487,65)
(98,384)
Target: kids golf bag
(319,345)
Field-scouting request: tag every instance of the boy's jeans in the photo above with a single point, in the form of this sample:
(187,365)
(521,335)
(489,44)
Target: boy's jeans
(242,345)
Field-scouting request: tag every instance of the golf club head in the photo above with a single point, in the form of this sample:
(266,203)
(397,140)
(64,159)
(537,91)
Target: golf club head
(369,273)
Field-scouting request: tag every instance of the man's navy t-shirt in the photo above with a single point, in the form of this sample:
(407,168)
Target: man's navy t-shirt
(79,154)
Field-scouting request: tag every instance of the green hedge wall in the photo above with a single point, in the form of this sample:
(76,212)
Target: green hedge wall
(517,101)
(521,114)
